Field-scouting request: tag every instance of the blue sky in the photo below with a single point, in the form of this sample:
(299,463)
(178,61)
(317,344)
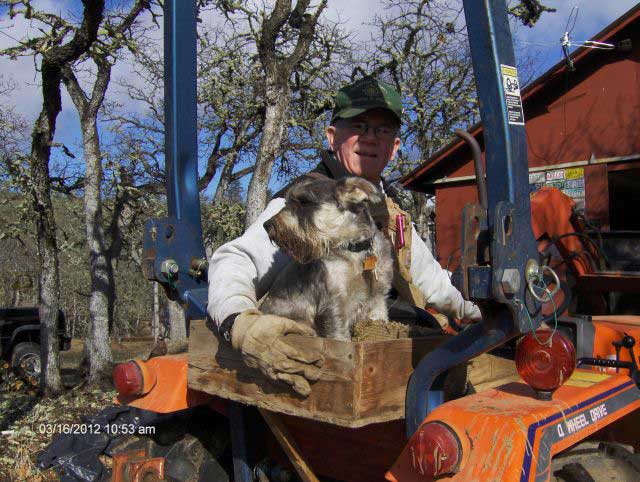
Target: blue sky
(593,16)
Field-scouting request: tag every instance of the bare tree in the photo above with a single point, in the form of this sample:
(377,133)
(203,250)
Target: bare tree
(282,38)
(229,120)
(231,114)
(118,31)
(423,49)
(55,54)
(12,137)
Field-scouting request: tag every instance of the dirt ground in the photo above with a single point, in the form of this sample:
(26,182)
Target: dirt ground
(29,422)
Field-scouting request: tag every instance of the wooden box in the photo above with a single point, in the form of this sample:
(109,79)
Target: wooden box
(362,382)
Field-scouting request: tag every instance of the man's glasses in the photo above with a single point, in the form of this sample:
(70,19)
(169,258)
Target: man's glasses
(360,128)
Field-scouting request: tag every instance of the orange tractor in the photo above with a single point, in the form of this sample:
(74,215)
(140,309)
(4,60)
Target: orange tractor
(567,398)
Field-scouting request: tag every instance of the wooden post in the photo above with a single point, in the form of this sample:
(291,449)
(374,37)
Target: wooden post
(289,446)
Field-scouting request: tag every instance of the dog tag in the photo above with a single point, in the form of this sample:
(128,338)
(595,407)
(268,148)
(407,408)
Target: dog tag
(370,263)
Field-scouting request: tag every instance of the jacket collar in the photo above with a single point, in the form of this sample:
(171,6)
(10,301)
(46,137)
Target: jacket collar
(331,166)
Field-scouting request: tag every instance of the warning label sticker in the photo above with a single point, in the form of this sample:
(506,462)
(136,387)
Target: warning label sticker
(511,86)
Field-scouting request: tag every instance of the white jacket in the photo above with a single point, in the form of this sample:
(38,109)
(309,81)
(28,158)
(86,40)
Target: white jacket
(241,272)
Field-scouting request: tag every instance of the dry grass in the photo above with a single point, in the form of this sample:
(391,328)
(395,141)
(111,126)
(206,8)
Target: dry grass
(27,435)
(24,415)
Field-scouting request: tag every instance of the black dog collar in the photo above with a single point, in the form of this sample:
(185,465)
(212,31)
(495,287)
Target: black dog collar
(360,246)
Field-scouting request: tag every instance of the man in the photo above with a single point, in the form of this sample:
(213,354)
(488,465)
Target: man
(363,137)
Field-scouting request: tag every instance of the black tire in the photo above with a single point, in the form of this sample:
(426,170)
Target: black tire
(593,462)
(25,360)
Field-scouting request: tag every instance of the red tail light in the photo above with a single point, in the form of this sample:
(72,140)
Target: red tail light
(128,378)
(435,450)
(545,362)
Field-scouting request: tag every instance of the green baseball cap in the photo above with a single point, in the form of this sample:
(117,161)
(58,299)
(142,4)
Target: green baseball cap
(365,94)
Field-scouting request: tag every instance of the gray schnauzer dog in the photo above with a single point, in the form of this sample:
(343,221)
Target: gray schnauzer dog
(342,263)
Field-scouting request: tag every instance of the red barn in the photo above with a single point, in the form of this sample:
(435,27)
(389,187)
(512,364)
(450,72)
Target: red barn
(583,134)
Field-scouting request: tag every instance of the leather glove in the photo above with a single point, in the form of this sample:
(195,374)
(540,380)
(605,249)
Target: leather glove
(260,339)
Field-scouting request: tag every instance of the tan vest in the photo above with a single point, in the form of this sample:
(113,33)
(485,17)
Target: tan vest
(386,215)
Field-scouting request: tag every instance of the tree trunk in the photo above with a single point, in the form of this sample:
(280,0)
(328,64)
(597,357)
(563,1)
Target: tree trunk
(278,99)
(225,179)
(49,279)
(420,216)
(98,345)
(177,342)
(43,132)
(155,322)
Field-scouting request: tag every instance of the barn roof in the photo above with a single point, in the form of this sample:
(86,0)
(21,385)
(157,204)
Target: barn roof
(440,165)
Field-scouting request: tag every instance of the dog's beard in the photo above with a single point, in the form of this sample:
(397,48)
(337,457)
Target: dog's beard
(303,245)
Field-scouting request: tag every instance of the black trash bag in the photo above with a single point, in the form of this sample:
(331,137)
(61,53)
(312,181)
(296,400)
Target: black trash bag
(75,456)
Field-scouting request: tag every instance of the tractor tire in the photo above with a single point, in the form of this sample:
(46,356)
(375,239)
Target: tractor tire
(25,360)
(192,445)
(596,462)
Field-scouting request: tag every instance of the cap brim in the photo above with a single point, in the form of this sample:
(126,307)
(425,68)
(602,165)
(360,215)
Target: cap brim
(350,112)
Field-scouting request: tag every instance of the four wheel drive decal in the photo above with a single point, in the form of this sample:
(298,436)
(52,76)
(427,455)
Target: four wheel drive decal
(578,417)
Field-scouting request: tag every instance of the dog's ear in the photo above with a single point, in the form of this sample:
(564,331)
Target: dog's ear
(295,190)
(355,190)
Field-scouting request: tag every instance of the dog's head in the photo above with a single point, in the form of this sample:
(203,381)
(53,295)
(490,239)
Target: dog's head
(323,215)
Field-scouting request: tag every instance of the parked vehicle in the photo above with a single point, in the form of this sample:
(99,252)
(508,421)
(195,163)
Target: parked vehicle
(20,339)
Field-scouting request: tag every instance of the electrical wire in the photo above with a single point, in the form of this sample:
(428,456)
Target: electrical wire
(588,238)
(171,282)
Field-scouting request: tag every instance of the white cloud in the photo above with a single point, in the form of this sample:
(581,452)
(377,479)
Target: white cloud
(355,15)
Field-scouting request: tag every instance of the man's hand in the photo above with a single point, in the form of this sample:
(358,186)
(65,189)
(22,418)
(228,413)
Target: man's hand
(260,339)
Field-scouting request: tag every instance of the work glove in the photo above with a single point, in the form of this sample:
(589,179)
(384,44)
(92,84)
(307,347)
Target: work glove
(260,340)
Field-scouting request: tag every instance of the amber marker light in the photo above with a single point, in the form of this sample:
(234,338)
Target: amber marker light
(545,360)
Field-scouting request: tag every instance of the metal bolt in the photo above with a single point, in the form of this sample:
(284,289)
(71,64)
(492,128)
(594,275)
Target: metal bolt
(169,267)
(510,281)
(532,270)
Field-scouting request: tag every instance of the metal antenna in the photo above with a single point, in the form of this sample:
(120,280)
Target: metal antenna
(566,42)
(575,10)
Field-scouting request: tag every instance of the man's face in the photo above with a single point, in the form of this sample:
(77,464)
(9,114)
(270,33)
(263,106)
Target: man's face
(365,154)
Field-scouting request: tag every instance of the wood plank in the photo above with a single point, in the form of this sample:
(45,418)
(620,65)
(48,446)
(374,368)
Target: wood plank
(386,369)
(362,383)
(489,371)
(289,446)
(217,369)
